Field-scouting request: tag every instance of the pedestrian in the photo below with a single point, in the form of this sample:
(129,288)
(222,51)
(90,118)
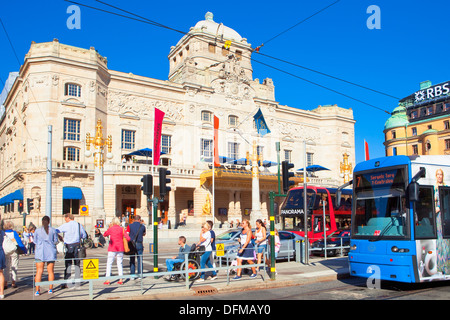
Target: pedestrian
(25,238)
(137,231)
(31,244)
(213,242)
(115,248)
(73,235)
(46,239)
(261,239)
(246,251)
(12,260)
(205,259)
(177,259)
(2,265)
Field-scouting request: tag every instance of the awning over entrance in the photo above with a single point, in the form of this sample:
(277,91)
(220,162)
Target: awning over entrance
(72,193)
(16,195)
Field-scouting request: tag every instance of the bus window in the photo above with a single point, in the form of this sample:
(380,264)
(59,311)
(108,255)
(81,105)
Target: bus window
(444,210)
(424,224)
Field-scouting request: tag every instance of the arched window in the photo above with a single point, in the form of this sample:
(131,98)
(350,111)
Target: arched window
(72,89)
(71,154)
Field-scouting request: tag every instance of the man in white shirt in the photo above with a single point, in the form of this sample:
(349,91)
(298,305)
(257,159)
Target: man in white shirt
(73,233)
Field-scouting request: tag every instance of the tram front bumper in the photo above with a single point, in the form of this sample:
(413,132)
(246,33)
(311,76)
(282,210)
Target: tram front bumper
(382,267)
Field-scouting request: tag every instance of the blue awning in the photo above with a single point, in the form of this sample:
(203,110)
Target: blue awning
(72,193)
(9,198)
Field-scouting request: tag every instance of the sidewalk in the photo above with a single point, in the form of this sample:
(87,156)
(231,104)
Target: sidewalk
(288,274)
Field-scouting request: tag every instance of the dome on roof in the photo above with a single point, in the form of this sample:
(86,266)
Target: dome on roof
(399,118)
(210,26)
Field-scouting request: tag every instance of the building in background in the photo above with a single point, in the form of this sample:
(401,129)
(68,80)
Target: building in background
(210,74)
(420,125)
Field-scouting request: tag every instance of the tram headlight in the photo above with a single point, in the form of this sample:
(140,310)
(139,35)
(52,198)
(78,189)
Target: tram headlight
(394,249)
(353,247)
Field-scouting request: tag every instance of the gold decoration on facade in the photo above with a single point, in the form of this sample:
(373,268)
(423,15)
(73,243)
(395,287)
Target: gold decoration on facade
(346,168)
(206,209)
(98,143)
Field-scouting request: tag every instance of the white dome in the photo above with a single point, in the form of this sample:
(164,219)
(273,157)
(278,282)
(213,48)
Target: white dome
(210,26)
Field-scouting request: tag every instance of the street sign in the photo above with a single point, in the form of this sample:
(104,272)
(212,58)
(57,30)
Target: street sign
(220,249)
(90,269)
(84,211)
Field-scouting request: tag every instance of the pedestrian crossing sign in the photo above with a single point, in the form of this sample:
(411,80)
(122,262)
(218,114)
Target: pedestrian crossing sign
(220,249)
(90,269)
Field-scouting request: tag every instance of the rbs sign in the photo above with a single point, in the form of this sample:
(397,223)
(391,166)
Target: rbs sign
(432,92)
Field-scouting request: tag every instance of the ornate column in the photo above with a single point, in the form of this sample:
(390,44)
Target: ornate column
(98,144)
(172,211)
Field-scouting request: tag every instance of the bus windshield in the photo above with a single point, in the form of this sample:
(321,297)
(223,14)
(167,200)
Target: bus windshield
(380,205)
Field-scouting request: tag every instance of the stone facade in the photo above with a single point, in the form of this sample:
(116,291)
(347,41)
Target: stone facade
(72,88)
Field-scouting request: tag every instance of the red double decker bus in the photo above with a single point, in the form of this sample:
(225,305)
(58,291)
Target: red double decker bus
(292,213)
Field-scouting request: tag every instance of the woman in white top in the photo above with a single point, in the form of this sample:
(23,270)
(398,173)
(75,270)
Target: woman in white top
(261,240)
(205,240)
(246,251)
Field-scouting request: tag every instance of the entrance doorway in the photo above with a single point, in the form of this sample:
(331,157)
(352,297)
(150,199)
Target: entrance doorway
(129,209)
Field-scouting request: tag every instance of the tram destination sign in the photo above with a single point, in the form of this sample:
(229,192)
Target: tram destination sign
(381,179)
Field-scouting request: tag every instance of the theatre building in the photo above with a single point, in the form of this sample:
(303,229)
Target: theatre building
(420,125)
(73,90)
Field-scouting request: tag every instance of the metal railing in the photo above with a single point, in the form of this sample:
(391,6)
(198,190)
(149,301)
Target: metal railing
(77,276)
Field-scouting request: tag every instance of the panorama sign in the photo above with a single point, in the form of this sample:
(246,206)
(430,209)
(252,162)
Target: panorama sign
(432,92)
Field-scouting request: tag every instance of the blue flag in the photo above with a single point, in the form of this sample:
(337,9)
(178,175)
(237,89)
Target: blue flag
(261,125)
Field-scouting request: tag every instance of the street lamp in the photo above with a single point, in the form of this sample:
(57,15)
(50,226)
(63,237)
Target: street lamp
(98,144)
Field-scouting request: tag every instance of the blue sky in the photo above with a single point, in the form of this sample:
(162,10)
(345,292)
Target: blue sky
(411,46)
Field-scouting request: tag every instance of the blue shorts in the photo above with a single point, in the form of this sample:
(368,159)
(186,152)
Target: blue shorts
(262,248)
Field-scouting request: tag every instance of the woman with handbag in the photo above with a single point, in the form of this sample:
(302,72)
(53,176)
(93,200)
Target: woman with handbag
(12,259)
(205,259)
(45,239)
(116,247)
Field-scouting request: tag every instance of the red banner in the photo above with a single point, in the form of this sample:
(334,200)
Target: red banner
(216,142)
(159,116)
(366,150)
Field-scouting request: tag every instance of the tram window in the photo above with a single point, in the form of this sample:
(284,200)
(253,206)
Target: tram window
(444,210)
(425,226)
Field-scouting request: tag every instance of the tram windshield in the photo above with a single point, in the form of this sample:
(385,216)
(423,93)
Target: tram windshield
(292,209)
(380,205)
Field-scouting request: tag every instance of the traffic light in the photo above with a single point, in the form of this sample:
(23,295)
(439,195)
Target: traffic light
(147,185)
(285,166)
(30,204)
(163,181)
(20,206)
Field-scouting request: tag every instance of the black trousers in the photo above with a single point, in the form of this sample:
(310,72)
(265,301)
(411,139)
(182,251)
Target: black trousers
(70,257)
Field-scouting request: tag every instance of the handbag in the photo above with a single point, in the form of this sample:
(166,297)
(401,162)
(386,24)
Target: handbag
(9,246)
(131,244)
(126,248)
(81,249)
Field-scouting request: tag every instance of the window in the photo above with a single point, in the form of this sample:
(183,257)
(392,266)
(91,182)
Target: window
(447,144)
(414,131)
(72,129)
(414,114)
(415,149)
(166,144)
(447,107)
(444,200)
(233,150)
(72,89)
(128,139)
(238,55)
(394,134)
(206,148)
(429,110)
(446,125)
(309,159)
(207,116)
(430,126)
(394,151)
(260,150)
(233,121)
(212,47)
(71,206)
(288,155)
(71,154)
(425,227)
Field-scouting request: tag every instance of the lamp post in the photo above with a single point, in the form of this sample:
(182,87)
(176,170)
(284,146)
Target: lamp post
(98,144)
